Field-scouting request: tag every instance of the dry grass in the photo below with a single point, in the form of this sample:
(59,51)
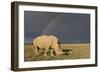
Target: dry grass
(79,51)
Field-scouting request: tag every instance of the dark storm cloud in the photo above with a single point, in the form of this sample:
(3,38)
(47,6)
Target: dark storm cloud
(68,27)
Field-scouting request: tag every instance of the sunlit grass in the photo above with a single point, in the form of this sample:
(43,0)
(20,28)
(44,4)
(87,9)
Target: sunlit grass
(79,51)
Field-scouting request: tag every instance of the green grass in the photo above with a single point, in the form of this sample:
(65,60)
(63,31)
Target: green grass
(79,51)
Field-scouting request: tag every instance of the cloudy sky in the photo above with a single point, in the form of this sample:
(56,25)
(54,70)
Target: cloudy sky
(68,27)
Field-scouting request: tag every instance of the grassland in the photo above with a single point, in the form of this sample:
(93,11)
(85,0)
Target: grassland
(79,51)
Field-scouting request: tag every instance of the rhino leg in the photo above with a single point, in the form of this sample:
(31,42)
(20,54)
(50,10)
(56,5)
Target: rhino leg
(36,51)
(52,52)
(46,51)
